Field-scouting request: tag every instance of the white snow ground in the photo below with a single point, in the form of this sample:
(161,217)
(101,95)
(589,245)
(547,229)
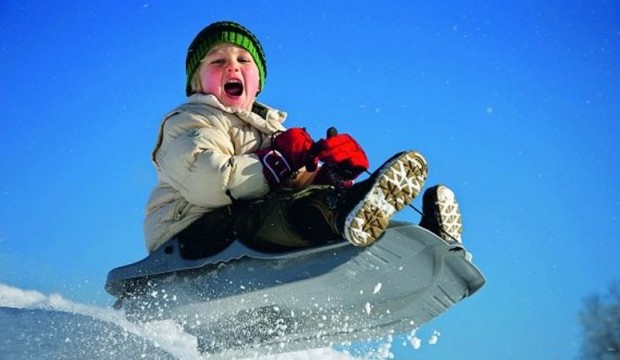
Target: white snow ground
(39,326)
(38,312)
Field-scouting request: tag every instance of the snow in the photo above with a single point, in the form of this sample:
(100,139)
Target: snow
(377,288)
(165,335)
(434,338)
(384,350)
(416,342)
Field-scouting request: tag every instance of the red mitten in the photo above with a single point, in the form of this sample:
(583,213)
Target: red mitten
(344,155)
(294,145)
(288,153)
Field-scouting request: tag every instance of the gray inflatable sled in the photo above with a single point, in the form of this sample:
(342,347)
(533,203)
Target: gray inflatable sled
(242,302)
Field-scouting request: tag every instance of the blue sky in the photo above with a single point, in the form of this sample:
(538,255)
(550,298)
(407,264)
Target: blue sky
(515,105)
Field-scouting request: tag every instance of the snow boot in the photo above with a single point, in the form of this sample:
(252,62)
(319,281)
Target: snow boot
(367,207)
(441,213)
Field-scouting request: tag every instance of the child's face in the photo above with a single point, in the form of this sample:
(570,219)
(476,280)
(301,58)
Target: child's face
(229,73)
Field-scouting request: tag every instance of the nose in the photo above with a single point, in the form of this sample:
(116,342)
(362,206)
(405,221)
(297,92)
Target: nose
(233,66)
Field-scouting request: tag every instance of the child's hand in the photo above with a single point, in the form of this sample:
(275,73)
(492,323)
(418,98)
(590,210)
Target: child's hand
(344,155)
(288,153)
(294,145)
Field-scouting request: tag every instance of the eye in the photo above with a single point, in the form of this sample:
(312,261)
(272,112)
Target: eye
(244,59)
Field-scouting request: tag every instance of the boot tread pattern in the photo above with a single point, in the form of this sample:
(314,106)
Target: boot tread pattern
(398,183)
(450,216)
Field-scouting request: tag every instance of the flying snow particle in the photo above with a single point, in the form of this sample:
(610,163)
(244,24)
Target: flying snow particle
(383,352)
(434,338)
(415,342)
(377,288)
(368,308)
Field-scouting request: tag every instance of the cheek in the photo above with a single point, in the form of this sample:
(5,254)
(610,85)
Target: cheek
(210,80)
(252,80)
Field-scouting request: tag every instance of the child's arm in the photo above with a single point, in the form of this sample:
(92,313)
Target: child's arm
(198,159)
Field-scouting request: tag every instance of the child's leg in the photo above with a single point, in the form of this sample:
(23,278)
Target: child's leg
(441,213)
(313,213)
(295,219)
(208,235)
(262,224)
(361,213)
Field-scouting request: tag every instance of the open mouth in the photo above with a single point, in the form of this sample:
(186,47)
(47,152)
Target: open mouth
(233,88)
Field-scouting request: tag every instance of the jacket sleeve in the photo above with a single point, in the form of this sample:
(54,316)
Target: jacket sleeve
(198,159)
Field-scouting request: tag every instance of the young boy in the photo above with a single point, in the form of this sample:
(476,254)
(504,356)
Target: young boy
(228,169)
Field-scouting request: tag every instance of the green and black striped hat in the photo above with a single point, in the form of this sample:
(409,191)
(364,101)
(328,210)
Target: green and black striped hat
(218,33)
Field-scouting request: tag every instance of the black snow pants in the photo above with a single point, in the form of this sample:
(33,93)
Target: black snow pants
(281,220)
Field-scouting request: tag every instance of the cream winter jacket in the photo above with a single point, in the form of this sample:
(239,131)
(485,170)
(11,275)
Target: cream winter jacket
(204,159)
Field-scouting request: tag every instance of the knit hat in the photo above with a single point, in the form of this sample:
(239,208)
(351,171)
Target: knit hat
(218,33)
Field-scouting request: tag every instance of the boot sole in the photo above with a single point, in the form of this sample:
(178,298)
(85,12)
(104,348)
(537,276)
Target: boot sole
(398,182)
(450,221)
